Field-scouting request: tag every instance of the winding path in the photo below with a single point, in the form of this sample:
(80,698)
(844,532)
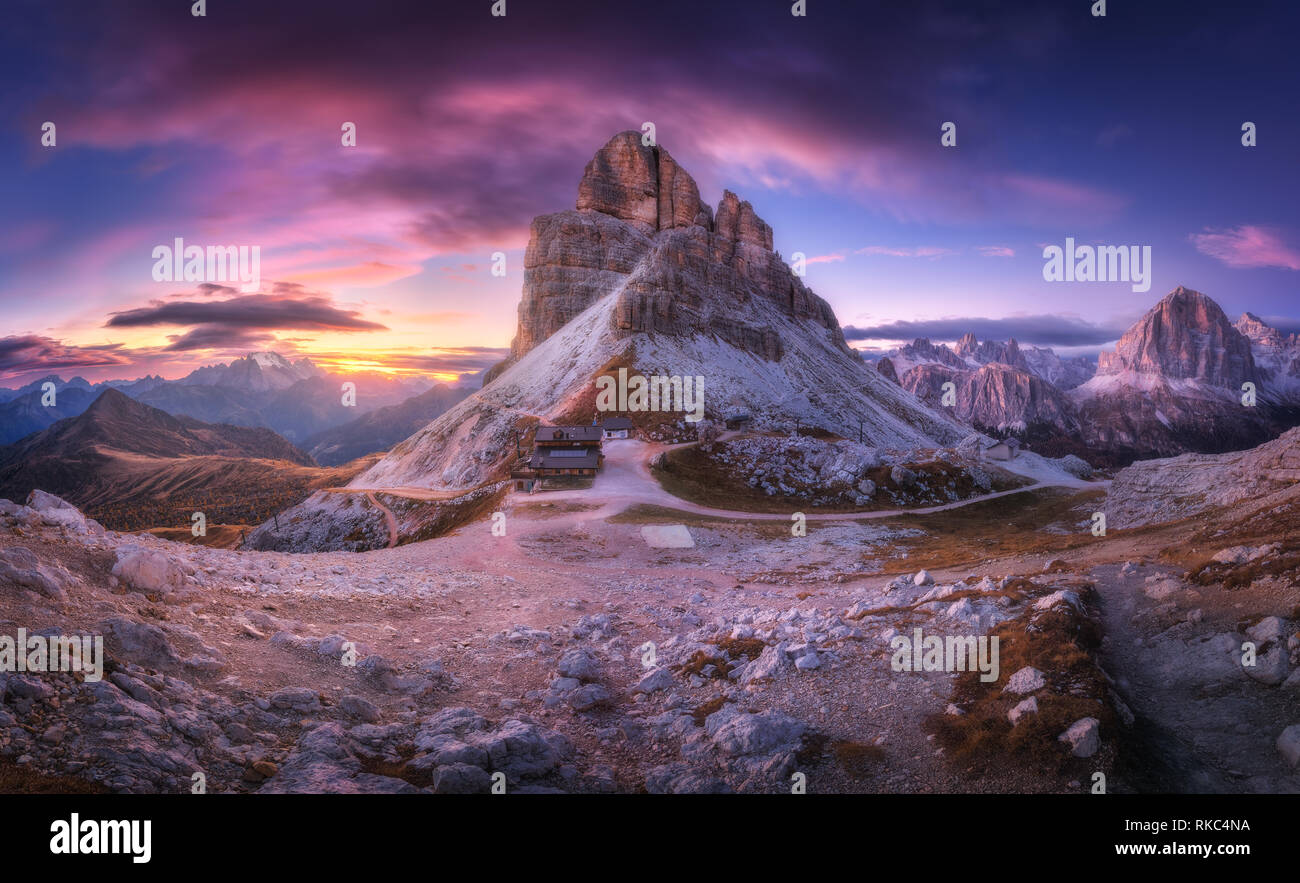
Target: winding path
(625,480)
(389,519)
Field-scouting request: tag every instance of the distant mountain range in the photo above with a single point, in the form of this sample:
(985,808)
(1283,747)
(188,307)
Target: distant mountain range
(133,466)
(382,428)
(1173,384)
(296,399)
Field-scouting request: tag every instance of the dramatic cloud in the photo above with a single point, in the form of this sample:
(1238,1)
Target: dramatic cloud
(1041,330)
(467,359)
(252,311)
(219,337)
(26,354)
(1248,247)
(227,130)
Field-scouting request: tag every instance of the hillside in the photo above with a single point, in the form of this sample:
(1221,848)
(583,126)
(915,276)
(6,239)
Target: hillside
(132,466)
(380,429)
(644,275)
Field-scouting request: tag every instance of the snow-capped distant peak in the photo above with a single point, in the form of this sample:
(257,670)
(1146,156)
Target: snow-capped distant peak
(268,359)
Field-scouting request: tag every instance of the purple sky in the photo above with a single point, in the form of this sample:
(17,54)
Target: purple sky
(1121,130)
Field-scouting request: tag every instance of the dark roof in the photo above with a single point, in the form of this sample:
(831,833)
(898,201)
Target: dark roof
(559,435)
(1009,442)
(565,458)
(616,423)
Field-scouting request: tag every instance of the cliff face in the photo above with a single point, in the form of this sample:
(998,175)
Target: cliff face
(996,398)
(639,225)
(1173,384)
(642,274)
(1277,355)
(1008,353)
(1184,337)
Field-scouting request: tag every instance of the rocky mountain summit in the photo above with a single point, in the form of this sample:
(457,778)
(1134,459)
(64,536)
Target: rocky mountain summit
(999,387)
(996,398)
(1277,356)
(642,274)
(969,349)
(256,372)
(1174,383)
(640,226)
(1186,336)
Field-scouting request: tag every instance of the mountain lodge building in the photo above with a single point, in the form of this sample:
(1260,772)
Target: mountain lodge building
(1004,449)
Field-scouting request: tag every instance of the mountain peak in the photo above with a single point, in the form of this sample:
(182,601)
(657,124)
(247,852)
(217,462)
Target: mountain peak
(1185,295)
(116,404)
(641,184)
(267,357)
(1186,336)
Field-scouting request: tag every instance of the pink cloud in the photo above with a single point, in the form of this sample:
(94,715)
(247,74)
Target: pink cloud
(1059,194)
(924,251)
(366,275)
(1247,247)
(997,251)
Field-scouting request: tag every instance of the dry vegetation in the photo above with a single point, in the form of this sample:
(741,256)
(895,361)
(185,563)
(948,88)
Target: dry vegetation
(698,476)
(1062,643)
(219,536)
(1003,527)
(166,493)
(434,518)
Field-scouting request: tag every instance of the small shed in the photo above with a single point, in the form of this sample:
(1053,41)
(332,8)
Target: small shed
(617,427)
(1002,449)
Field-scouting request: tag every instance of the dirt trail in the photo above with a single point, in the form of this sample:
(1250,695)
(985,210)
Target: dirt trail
(625,480)
(388,518)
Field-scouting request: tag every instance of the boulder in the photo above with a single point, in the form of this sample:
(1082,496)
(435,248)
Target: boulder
(1083,737)
(1288,742)
(1026,706)
(19,567)
(580,663)
(461,778)
(753,734)
(138,642)
(656,680)
(146,570)
(1026,680)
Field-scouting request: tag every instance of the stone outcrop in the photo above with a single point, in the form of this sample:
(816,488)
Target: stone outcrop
(1007,353)
(1277,356)
(996,398)
(639,225)
(1174,384)
(640,275)
(1152,491)
(1184,337)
